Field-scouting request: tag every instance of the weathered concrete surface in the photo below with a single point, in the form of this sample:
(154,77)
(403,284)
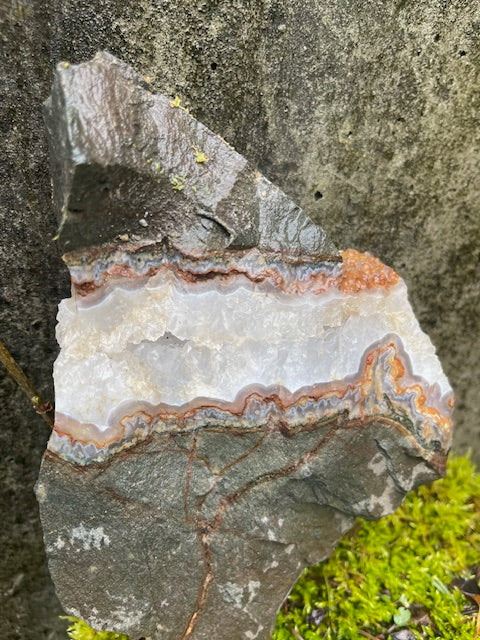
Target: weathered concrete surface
(365,112)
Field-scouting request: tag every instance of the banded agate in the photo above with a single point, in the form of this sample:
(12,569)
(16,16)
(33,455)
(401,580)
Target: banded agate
(153,341)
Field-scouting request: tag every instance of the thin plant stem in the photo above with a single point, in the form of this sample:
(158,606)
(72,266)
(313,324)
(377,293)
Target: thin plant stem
(295,633)
(25,385)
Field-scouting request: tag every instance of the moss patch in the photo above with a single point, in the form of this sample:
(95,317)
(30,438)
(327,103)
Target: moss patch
(79,630)
(397,573)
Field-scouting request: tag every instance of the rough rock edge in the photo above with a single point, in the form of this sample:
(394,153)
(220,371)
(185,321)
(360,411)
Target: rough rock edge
(125,164)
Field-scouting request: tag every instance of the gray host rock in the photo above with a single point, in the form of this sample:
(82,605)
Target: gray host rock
(231,390)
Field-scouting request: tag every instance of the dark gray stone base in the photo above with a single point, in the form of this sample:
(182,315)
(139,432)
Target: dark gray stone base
(203,535)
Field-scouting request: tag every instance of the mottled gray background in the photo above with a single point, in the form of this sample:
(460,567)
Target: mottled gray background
(364,111)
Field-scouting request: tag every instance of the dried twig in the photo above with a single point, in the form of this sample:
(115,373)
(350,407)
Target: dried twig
(477,625)
(295,633)
(25,385)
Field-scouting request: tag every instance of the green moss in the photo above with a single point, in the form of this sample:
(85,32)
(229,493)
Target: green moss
(178,182)
(386,575)
(396,573)
(79,630)
(200,156)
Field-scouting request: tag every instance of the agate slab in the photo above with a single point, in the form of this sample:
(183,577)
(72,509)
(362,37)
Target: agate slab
(231,391)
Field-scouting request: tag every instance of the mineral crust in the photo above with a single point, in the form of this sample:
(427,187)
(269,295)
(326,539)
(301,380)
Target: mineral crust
(231,391)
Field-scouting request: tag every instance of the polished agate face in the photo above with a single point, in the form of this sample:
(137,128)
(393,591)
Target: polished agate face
(154,341)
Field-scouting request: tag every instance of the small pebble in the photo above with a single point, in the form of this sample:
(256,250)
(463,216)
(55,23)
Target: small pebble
(404,634)
(143,222)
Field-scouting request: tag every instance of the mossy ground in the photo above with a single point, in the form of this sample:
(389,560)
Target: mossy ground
(393,575)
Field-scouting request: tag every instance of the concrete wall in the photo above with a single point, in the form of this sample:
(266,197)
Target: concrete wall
(364,111)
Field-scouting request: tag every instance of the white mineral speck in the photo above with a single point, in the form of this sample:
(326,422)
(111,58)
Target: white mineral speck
(41,492)
(89,538)
(59,543)
(232,593)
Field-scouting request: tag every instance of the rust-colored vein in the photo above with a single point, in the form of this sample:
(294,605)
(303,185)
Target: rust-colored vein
(205,529)
(270,476)
(221,473)
(245,455)
(230,271)
(188,475)
(133,502)
(205,586)
(140,450)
